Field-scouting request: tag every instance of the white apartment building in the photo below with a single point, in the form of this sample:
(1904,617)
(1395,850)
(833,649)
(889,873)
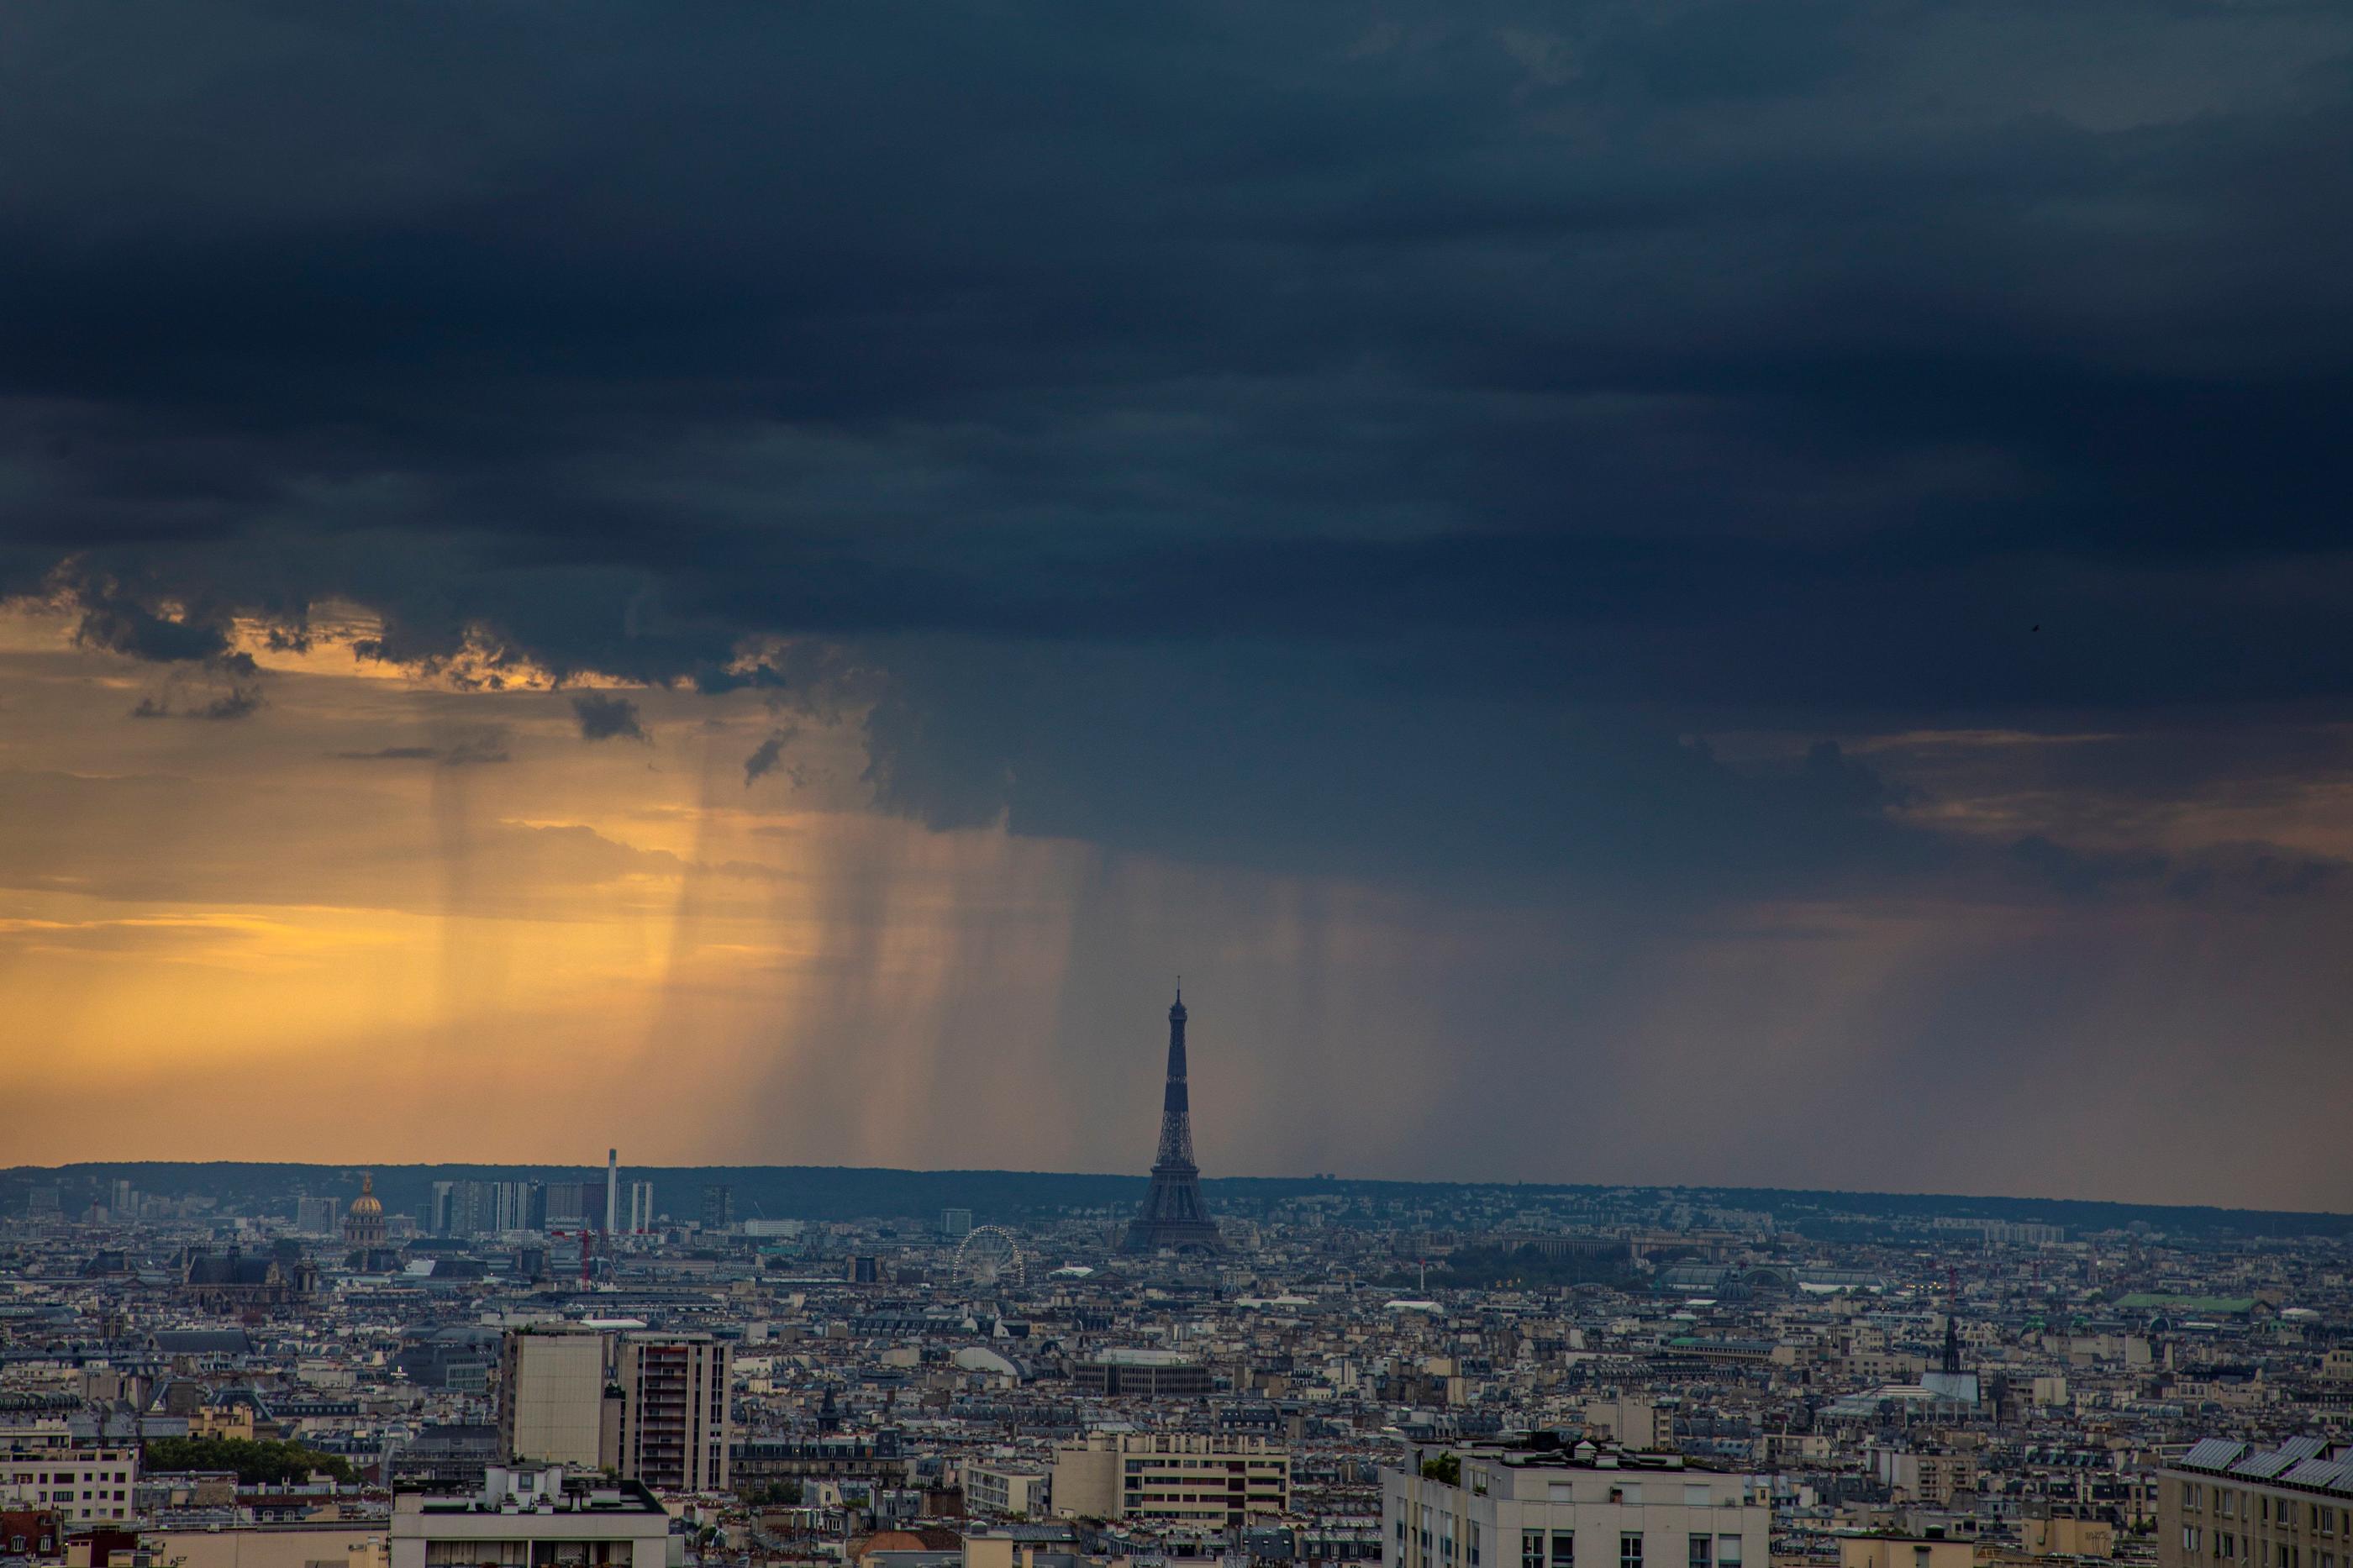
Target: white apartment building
(531,1517)
(1002,1491)
(1490,1506)
(41,1467)
(1187,1478)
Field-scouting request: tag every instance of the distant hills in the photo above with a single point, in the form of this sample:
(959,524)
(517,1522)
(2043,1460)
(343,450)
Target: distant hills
(842,1193)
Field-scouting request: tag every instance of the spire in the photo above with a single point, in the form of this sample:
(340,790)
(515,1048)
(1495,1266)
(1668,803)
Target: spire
(1174,1214)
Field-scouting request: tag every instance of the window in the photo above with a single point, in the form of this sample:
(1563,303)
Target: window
(1703,1554)
(1564,1549)
(1696,1494)
(1532,1549)
(1629,1549)
(1728,1551)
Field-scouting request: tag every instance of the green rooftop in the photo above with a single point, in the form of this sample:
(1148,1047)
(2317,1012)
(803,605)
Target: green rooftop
(2226,1306)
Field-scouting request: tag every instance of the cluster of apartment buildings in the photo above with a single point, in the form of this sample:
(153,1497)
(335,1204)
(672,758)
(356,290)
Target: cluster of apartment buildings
(1472,1379)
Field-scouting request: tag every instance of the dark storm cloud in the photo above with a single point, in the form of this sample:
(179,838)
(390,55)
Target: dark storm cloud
(238,703)
(467,752)
(767,755)
(1424,409)
(604,717)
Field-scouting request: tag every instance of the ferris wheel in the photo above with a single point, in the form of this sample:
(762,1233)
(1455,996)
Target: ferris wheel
(989,1256)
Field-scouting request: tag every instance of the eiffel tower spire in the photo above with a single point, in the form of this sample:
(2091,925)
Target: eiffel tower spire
(1173,1213)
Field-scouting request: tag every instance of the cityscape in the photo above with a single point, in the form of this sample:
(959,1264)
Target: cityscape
(1201,784)
(270,1367)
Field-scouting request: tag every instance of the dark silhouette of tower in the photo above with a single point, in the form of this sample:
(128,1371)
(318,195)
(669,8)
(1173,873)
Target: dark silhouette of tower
(1173,1213)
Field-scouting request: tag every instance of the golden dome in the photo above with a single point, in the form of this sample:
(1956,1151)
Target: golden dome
(367,1203)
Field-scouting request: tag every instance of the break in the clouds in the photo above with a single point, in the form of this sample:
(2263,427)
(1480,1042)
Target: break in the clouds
(1695,460)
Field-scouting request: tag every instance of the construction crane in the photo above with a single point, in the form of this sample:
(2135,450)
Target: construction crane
(587,1250)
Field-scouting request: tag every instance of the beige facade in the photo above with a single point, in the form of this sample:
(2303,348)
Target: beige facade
(1173,1477)
(552,1397)
(2048,1536)
(2226,1504)
(40,1467)
(1630,1423)
(1903,1552)
(272,1546)
(1926,1475)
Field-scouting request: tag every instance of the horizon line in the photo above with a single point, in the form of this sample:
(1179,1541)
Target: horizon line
(599,1167)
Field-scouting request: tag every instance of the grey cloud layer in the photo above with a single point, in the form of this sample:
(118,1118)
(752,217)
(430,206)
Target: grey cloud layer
(1345,435)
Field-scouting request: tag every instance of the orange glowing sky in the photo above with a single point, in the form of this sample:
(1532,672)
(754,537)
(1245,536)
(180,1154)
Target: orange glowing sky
(309,934)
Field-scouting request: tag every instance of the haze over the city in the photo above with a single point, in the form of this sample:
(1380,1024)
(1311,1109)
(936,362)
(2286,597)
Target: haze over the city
(1695,594)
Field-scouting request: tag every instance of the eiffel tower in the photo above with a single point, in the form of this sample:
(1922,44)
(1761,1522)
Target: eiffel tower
(1173,1214)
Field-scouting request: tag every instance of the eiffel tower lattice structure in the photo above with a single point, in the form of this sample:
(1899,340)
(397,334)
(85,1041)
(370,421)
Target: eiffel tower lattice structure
(1173,1214)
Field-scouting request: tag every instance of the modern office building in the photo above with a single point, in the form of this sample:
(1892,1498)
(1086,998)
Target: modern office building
(1141,1374)
(2230,1503)
(676,1429)
(530,1517)
(641,1206)
(551,1398)
(956,1223)
(571,1205)
(718,1207)
(484,1208)
(1180,1478)
(1541,1504)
